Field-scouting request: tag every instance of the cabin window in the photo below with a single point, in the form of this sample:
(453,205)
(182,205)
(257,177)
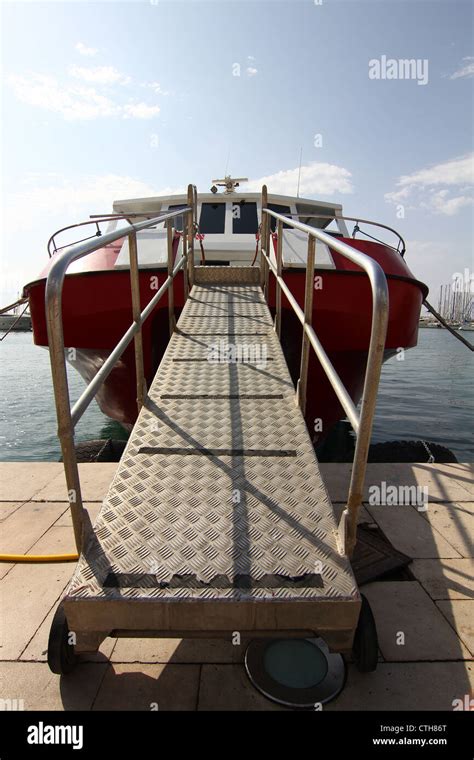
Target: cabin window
(279,210)
(244,218)
(212,219)
(178,220)
(313,220)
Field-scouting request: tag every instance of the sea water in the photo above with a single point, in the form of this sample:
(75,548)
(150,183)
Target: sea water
(425,393)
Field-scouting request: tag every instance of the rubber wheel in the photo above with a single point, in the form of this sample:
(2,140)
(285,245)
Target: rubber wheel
(365,649)
(61,656)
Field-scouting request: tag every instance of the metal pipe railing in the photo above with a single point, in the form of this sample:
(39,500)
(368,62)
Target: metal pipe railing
(362,424)
(89,393)
(344,398)
(192,224)
(67,417)
(357,219)
(302,387)
(94,219)
(279,272)
(264,244)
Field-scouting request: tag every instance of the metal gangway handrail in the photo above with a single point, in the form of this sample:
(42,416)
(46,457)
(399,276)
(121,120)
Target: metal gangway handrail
(68,417)
(361,423)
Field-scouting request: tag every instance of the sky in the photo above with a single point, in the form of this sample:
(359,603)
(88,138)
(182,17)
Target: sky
(110,100)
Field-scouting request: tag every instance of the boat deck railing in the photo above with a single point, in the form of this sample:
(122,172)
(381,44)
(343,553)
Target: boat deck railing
(96,220)
(401,246)
(361,422)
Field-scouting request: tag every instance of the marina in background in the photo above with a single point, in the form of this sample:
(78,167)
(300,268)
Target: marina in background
(15,318)
(455,305)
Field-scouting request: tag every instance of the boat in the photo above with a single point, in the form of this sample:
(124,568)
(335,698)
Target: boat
(15,323)
(97,301)
(14,320)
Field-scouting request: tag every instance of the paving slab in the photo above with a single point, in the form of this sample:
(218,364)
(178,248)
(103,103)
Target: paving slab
(95,480)
(7,508)
(403,607)
(227,687)
(169,669)
(93,508)
(456,523)
(27,594)
(148,687)
(460,614)
(178,651)
(5,568)
(27,524)
(336,478)
(21,481)
(37,649)
(42,690)
(410,533)
(446,578)
(445,482)
(461,472)
(58,539)
(406,686)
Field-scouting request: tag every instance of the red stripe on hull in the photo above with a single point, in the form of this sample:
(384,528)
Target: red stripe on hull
(97,311)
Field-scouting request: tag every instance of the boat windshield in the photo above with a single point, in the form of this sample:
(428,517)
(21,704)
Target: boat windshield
(244,218)
(178,220)
(279,209)
(212,220)
(315,216)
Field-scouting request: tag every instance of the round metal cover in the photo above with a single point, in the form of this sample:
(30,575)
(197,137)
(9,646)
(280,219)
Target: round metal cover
(295,672)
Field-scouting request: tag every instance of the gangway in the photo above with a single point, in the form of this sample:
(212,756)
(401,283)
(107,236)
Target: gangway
(217,519)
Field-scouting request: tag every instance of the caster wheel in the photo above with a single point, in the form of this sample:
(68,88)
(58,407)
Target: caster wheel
(61,656)
(365,649)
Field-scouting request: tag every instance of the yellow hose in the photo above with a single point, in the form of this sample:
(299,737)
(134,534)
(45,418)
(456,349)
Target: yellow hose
(39,557)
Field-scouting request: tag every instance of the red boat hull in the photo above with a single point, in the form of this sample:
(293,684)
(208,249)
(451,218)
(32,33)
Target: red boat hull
(97,312)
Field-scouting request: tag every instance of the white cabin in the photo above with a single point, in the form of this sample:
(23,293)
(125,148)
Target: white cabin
(229,222)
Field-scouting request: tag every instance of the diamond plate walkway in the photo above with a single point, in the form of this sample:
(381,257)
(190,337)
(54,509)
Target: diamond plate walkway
(217,519)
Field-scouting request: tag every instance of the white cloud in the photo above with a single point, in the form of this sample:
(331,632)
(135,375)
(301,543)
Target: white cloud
(72,200)
(251,71)
(316,179)
(440,203)
(54,202)
(466,70)
(74,102)
(441,189)
(84,50)
(140,111)
(99,74)
(155,86)
(447,173)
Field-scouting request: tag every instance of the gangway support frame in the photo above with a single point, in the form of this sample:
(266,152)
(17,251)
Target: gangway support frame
(217,519)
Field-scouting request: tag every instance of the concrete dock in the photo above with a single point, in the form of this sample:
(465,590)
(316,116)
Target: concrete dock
(425,623)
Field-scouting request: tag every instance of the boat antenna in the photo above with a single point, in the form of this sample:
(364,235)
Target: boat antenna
(299,174)
(227,162)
